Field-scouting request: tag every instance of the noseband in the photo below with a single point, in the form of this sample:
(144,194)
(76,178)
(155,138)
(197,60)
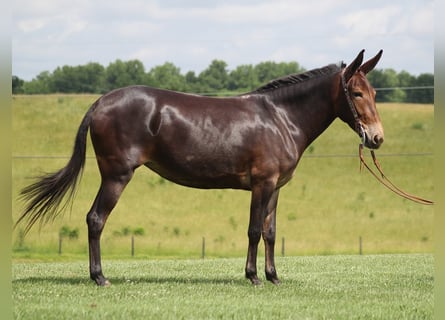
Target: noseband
(383,179)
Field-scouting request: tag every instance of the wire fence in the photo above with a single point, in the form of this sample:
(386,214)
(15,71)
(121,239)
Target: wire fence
(339,155)
(408,94)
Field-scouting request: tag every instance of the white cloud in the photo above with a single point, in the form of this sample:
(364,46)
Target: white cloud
(30,25)
(51,33)
(268,12)
(417,20)
(137,29)
(392,19)
(366,22)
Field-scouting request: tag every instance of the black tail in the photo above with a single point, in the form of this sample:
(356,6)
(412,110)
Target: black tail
(45,198)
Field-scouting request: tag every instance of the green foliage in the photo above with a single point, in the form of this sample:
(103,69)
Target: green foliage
(17,85)
(214,80)
(127,231)
(389,78)
(39,85)
(333,287)
(121,74)
(243,78)
(67,232)
(85,79)
(167,76)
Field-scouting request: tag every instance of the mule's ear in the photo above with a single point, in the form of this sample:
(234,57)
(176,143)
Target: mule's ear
(371,63)
(353,66)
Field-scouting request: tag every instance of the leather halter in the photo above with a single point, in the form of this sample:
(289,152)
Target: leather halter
(358,124)
(382,178)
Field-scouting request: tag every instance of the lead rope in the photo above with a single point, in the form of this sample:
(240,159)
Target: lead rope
(382,178)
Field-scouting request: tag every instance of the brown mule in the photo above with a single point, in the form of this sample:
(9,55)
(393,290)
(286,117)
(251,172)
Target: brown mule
(253,142)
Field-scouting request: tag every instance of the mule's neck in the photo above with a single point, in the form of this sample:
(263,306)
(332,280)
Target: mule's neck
(309,107)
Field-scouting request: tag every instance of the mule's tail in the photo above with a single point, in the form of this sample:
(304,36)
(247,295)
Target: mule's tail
(51,193)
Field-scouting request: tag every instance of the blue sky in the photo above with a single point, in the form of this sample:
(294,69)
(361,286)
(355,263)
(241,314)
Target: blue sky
(51,33)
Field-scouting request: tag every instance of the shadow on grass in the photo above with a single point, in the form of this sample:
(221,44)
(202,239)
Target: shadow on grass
(133,280)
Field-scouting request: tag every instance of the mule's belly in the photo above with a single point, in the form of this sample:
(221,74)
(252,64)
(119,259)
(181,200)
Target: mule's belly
(200,177)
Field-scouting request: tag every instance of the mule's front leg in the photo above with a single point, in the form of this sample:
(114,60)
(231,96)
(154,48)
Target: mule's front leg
(251,269)
(261,195)
(269,234)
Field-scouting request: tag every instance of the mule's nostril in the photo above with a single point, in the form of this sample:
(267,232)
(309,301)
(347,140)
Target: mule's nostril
(378,140)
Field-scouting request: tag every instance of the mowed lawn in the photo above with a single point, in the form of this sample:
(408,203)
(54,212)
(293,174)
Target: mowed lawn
(327,207)
(316,287)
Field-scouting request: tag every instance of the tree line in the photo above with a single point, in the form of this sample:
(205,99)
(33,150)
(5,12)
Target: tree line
(216,79)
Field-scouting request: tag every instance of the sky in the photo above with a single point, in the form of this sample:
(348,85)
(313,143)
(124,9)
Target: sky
(190,34)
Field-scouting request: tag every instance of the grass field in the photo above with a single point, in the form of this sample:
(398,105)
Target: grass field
(321,287)
(323,210)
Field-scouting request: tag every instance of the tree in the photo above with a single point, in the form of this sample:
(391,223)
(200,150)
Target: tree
(243,78)
(121,74)
(17,85)
(406,80)
(94,78)
(388,82)
(269,70)
(39,85)
(192,82)
(80,79)
(402,87)
(214,78)
(425,95)
(66,79)
(166,76)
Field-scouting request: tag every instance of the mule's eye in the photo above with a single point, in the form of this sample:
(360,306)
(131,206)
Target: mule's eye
(357,94)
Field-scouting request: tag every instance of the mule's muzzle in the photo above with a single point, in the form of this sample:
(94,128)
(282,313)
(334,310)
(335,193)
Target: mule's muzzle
(373,141)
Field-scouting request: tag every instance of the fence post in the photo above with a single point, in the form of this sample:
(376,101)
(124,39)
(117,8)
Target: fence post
(60,244)
(360,245)
(203,249)
(132,246)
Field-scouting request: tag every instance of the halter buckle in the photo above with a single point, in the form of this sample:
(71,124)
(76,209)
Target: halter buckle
(361,131)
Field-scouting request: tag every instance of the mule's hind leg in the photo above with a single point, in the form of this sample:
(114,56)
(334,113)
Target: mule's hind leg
(107,197)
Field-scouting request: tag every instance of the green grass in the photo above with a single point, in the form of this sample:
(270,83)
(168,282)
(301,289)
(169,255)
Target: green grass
(318,287)
(324,210)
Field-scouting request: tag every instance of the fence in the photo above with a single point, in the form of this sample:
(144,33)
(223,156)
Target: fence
(417,94)
(414,94)
(203,246)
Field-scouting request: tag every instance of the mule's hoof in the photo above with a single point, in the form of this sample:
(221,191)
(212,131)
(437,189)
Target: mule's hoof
(255,281)
(275,281)
(102,282)
(272,277)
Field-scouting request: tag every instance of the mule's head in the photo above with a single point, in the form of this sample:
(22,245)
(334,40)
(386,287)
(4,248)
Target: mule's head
(358,108)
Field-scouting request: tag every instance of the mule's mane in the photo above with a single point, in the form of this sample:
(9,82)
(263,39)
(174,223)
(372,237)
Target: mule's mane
(299,78)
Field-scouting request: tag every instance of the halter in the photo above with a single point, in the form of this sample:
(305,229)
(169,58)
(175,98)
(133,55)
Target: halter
(358,124)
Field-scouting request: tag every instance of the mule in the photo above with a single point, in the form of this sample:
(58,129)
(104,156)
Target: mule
(253,142)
